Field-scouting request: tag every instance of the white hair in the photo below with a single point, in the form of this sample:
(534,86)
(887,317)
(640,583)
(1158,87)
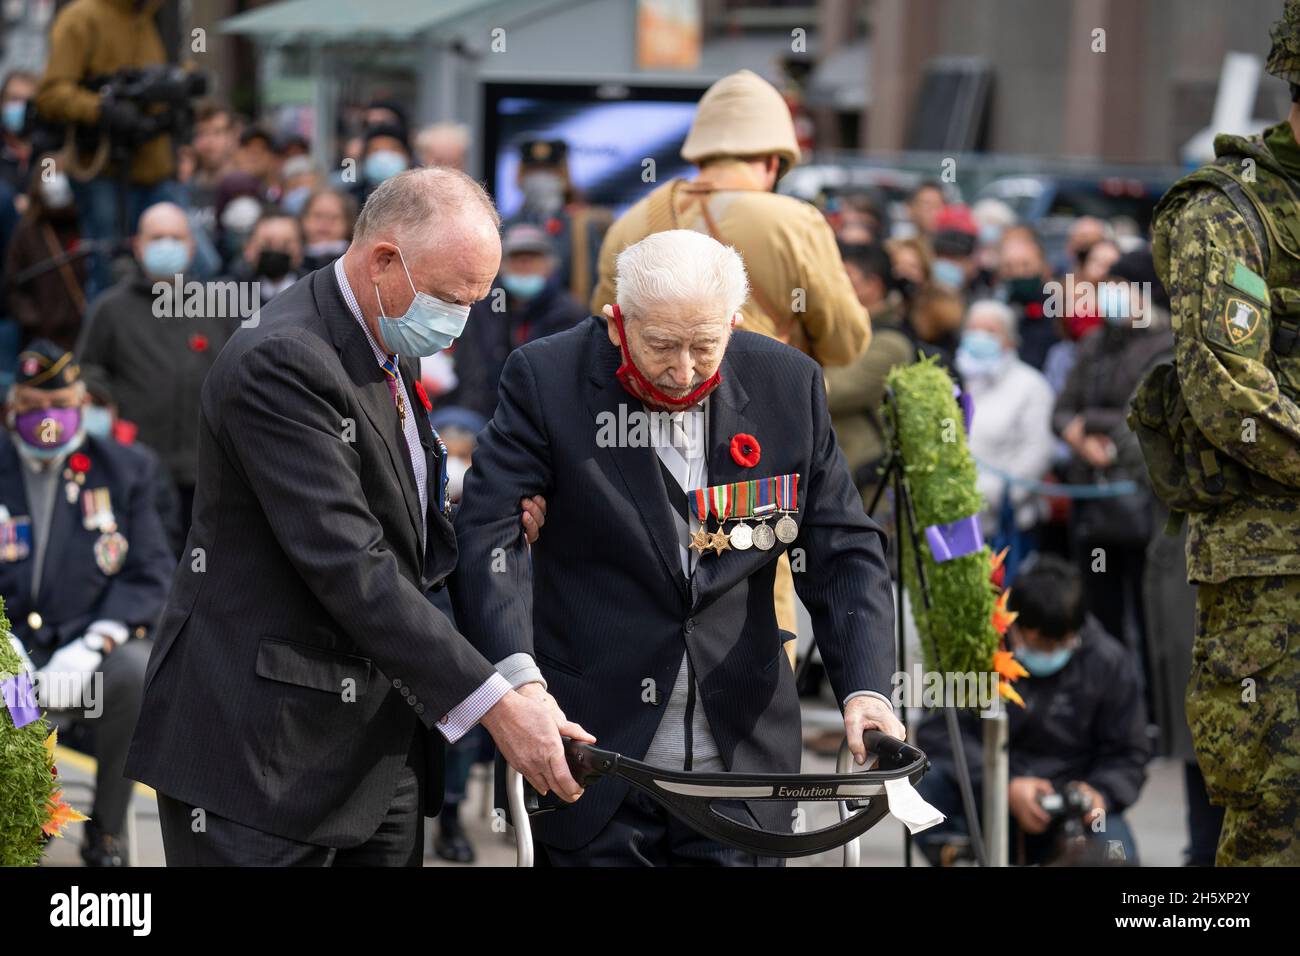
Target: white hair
(998,310)
(680,265)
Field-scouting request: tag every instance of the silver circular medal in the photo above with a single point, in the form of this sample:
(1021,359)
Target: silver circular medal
(786,529)
(764,538)
(742,537)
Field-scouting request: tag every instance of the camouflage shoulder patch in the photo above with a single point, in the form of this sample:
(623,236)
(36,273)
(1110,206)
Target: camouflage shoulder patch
(1240,319)
(1236,311)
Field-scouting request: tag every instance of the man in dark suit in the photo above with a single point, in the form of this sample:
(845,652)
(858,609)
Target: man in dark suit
(303,682)
(84,566)
(644,622)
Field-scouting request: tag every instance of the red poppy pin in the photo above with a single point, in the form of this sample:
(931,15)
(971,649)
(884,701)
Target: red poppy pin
(198,343)
(423,396)
(124,431)
(79,463)
(745,450)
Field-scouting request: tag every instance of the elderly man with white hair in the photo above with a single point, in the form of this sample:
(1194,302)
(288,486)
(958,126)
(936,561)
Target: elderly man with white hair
(680,458)
(1011,431)
(303,682)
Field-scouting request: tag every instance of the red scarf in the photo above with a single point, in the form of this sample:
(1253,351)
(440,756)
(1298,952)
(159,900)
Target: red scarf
(638,386)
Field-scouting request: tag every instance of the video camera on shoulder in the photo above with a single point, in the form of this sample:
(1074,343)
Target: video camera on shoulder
(137,104)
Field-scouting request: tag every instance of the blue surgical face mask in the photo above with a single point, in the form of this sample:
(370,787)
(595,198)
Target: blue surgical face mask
(428,326)
(295,199)
(165,257)
(523,286)
(384,164)
(97,420)
(980,354)
(1044,663)
(949,273)
(13,115)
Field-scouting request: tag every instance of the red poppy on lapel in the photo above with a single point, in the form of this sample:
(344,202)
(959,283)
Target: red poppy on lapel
(745,450)
(423,396)
(125,431)
(79,463)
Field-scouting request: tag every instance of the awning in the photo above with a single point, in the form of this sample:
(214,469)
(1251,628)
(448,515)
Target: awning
(332,20)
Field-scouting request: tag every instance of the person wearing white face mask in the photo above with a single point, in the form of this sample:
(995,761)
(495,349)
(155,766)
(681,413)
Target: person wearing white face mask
(46,279)
(304,683)
(1010,431)
(551,202)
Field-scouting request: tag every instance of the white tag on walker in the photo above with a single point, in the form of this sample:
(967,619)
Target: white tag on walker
(910,807)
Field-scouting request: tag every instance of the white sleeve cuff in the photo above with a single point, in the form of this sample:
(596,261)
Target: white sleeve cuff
(462,718)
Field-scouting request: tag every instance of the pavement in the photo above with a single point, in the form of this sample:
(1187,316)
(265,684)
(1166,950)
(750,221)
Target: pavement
(1157,819)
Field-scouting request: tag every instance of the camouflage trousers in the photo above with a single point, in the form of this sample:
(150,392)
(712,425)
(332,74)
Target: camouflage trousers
(1243,708)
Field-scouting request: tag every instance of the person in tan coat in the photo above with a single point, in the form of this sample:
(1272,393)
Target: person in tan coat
(95,38)
(743,141)
(91,40)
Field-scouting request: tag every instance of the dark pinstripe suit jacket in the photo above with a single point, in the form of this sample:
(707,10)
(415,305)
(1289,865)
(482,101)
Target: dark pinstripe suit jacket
(604,605)
(301,604)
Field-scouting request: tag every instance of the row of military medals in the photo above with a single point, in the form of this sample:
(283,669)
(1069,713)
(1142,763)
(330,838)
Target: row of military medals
(97,515)
(760,500)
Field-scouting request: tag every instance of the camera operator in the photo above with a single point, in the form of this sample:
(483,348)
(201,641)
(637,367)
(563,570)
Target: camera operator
(123,146)
(1076,747)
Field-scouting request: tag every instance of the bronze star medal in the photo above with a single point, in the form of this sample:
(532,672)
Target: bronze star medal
(701,541)
(720,501)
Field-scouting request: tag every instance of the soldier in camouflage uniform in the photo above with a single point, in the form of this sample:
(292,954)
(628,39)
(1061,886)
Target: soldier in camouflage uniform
(1227,246)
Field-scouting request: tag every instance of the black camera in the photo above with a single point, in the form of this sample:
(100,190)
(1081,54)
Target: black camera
(157,99)
(136,105)
(1072,803)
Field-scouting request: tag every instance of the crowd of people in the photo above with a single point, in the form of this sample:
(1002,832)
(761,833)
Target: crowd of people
(1049,351)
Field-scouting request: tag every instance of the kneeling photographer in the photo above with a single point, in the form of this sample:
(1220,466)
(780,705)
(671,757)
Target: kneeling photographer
(109,97)
(1077,751)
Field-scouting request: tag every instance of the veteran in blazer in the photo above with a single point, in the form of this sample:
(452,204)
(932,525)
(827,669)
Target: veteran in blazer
(84,567)
(679,460)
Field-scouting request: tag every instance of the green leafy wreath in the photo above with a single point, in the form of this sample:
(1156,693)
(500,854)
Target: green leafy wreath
(962,630)
(31,805)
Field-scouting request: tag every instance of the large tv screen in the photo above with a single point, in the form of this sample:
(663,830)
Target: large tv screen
(610,129)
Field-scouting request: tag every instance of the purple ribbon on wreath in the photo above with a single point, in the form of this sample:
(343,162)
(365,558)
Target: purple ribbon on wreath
(955,539)
(967,403)
(18,697)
